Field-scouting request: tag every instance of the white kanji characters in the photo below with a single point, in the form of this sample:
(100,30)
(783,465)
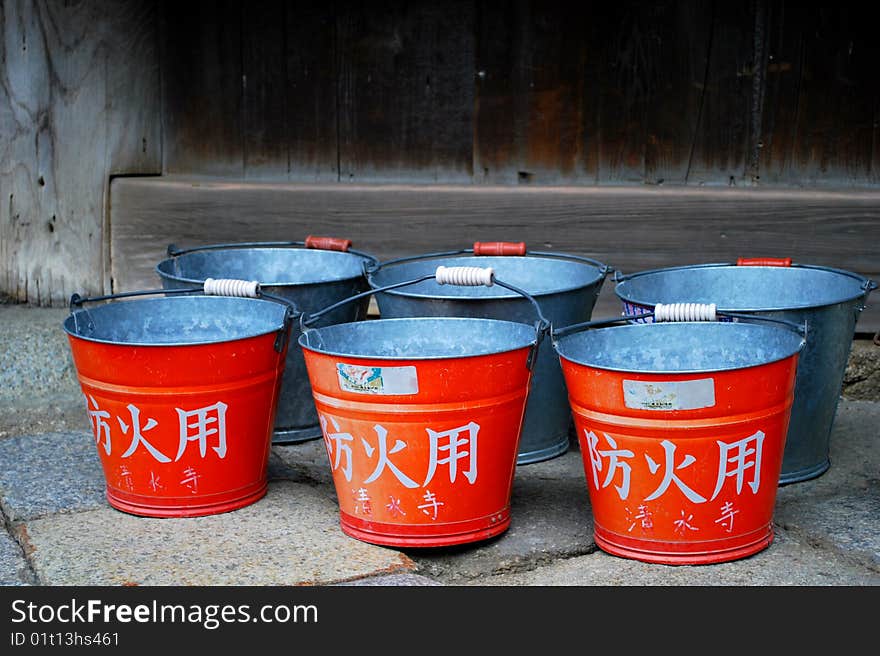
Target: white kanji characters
(362,502)
(336,445)
(431,504)
(137,434)
(155,482)
(726,519)
(384,461)
(643,516)
(669,473)
(97,418)
(125,479)
(684,523)
(614,463)
(741,462)
(191,479)
(393,507)
(212,414)
(452,447)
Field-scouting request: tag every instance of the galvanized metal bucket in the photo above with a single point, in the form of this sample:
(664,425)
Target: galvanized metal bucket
(566,287)
(312,274)
(181,392)
(422,418)
(682,428)
(828,300)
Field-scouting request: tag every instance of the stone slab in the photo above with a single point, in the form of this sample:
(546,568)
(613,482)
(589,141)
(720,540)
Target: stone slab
(50,473)
(550,516)
(13,566)
(550,519)
(290,537)
(786,562)
(36,354)
(840,509)
(393,580)
(307,461)
(861,379)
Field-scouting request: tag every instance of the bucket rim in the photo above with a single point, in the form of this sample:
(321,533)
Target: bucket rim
(365,258)
(695,370)
(164,299)
(417,358)
(864,288)
(600,276)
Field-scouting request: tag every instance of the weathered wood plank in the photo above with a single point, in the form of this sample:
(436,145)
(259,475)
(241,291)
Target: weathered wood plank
(630,229)
(310,52)
(821,96)
(532,115)
(621,67)
(264,81)
(405,91)
(678,44)
(79,94)
(698,127)
(202,87)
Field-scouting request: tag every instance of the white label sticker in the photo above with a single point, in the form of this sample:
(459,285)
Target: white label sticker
(377,380)
(669,395)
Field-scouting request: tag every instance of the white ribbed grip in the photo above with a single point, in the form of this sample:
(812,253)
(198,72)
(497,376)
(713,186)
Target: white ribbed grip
(684,312)
(467,276)
(231,287)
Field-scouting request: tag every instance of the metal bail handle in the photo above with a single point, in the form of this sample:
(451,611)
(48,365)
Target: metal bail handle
(764,261)
(685,312)
(443,275)
(673,312)
(311,242)
(497,248)
(211,287)
(328,243)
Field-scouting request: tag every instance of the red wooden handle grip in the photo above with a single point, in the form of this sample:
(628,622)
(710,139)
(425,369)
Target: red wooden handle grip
(764,261)
(328,243)
(499,248)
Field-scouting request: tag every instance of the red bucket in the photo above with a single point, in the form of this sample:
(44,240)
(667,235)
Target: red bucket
(422,420)
(181,394)
(682,428)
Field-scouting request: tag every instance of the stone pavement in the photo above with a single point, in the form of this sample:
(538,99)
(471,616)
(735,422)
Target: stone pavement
(58,528)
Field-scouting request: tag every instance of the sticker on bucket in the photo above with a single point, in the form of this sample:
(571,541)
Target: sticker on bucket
(669,395)
(377,380)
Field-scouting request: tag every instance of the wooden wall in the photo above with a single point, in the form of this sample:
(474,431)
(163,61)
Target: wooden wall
(523,92)
(79,103)
(584,94)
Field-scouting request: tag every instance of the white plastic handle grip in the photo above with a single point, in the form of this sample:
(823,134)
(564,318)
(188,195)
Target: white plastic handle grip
(231,287)
(685,312)
(467,276)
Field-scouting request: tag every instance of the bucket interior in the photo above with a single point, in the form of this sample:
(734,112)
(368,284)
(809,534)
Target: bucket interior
(743,288)
(270,266)
(536,275)
(687,347)
(419,338)
(176,320)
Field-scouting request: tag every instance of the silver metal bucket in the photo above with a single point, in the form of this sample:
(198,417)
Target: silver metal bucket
(827,300)
(309,278)
(566,288)
(180,321)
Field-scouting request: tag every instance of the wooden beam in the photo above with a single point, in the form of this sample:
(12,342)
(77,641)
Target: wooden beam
(631,229)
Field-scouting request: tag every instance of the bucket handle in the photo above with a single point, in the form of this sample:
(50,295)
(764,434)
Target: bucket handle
(672,312)
(312,242)
(502,248)
(764,261)
(211,287)
(460,276)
